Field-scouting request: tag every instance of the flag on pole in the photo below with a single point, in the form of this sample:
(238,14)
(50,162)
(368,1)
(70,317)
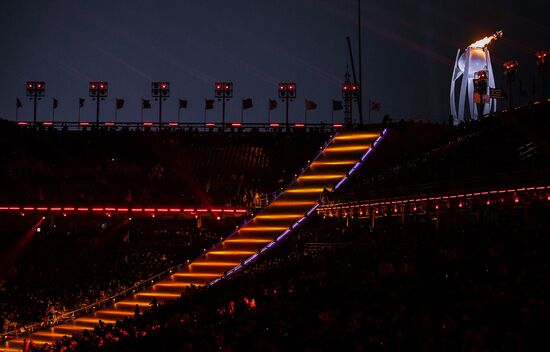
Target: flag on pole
(247,103)
(119,104)
(55,103)
(18,104)
(311,105)
(145,104)
(81,102)
(208,104)
(337,105)
(272,104)
(183,104)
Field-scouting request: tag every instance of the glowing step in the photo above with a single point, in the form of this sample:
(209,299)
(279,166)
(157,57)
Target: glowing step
(231,252)
(133,303)
(263,228)
(116,312)
(177,284)
(348,137)
(35,341)
(351,148)
(248,240)
(71,328)
(210,275)
(95,321)
(49,334)
(159,294)
(279,216)
(321,177)
(229,264)
(306,190)
(333,163)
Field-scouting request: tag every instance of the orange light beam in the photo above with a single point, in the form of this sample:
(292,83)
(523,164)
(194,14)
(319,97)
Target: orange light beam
(263,228)
(347,137)
(279,216)
(335,163)
(321,177)
(351,148)
(306,190)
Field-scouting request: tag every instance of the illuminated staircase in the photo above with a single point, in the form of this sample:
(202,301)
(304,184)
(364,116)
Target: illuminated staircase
(342,154)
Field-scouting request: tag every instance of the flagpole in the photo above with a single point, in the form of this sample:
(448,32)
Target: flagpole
(79,111)
(369,109)
(305,113)
(141,113)
(269,114)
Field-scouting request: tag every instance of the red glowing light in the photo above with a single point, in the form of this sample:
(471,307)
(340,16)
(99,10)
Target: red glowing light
(299,125)
(235,124)
(147,124)
(337,125)
(274,125)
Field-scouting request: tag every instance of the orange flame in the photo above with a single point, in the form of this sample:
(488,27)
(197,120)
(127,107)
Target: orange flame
(482,43)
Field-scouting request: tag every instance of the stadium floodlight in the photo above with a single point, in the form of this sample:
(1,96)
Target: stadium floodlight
(510,70)
(287,93)
(350,93)
(35,91)
(98,91)
(223,91)
(160,91)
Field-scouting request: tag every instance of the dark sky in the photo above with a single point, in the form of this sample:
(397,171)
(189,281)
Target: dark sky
(409,48)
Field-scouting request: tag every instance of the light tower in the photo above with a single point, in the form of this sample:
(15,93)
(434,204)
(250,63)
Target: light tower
(474,59)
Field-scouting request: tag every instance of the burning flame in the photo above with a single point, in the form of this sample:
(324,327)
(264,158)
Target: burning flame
(482,43)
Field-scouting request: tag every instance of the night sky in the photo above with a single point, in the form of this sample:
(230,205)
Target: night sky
(408,52)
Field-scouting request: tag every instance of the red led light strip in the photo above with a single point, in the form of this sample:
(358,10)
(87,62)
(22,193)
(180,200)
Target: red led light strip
(114,210)
(366,204)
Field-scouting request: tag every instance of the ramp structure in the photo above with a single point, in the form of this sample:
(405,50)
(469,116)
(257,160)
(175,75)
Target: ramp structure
(340,157)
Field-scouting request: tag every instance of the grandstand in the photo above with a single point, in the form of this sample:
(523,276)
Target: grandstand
(407,236)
